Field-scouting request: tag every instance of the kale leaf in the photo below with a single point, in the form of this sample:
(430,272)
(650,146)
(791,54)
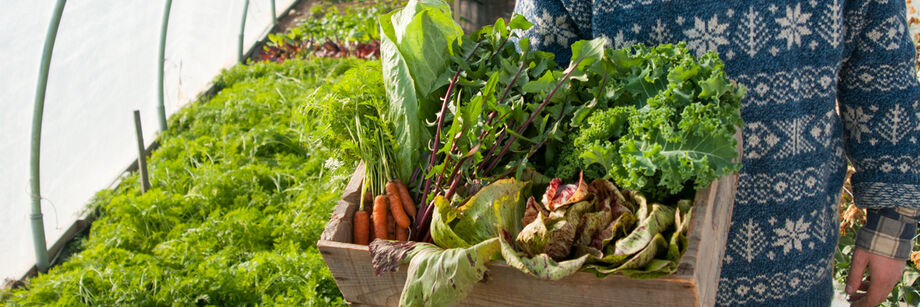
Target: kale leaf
(669,125)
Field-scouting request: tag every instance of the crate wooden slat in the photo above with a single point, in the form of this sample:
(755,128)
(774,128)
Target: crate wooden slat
(694,283)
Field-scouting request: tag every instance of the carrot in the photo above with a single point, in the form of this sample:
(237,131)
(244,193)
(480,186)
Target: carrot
(370,231)
(402,234)
(408,204)
(396,205)
(391,225)
(380,217)
(361,231)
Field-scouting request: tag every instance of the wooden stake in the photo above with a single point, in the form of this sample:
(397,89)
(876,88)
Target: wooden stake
(141,153)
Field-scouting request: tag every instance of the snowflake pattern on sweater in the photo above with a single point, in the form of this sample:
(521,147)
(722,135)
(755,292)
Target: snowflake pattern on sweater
(797,59)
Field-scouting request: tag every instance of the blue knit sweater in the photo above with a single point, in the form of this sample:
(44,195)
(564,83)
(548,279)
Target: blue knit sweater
(796,57)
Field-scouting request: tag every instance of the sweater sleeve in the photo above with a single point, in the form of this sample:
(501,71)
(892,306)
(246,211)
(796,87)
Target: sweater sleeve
(879,101)
(554,29)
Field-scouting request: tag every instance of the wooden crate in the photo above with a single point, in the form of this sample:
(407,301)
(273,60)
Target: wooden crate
(694,284)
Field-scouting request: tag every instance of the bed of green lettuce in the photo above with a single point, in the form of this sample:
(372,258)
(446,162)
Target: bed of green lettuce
(242,184)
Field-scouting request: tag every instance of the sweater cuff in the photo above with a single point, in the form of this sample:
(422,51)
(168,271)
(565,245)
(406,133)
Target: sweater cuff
(889,232)
(886,195)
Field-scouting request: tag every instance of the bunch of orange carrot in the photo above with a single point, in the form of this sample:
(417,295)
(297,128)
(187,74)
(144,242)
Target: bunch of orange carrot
(392,206)
(392,215)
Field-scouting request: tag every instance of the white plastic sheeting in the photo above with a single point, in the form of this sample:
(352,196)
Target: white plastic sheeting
(103,67)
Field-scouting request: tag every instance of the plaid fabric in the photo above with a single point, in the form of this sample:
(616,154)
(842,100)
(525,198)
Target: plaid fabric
(889,232)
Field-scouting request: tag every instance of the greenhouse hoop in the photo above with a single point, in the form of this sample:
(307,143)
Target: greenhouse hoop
(38,227)
(242,28)
(161,58)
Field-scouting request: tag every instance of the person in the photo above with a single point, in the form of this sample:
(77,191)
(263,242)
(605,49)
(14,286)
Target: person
(801,61)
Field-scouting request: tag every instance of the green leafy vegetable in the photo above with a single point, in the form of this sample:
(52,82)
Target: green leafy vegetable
(541,266)
(437,276)
(242,184)
(657,121)
(415,42)
(442,277)
(660,217)
(664,120)
(441,232)
(478,219)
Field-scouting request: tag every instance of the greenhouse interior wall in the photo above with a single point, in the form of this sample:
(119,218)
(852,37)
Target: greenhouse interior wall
(104,66)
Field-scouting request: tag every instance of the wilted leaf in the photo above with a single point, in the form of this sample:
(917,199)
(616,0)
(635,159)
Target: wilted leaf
(592,224)
(609,196)
(562,232)
(477,221)
(659,219)
(531,211)
(533,238)
(654,269)
(441,233)
(632,262)
(509,211)
(540,266)
(646,255)
(442,277)
(641,204)
(558,195)
(619,228)
(387,255)
(609,261)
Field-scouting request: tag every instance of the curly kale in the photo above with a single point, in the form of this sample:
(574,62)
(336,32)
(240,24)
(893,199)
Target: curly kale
(669,126)
(569,164)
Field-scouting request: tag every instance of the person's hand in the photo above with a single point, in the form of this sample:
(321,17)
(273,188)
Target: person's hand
(884,274)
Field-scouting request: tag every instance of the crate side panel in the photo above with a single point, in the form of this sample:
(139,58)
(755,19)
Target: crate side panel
(350,265)
(715,230)
(340,227)
(504,286)
(710,220)
(507,286)
(700,213)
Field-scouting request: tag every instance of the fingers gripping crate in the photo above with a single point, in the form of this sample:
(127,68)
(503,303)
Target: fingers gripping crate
(694,284)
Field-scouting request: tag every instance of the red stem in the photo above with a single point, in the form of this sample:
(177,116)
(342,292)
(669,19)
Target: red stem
(502,98)
(453,188)
(462,160)
(532,116)
(535,148)
(423,223)
(452,149)
(489,155)
(497,51)
(437,137)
